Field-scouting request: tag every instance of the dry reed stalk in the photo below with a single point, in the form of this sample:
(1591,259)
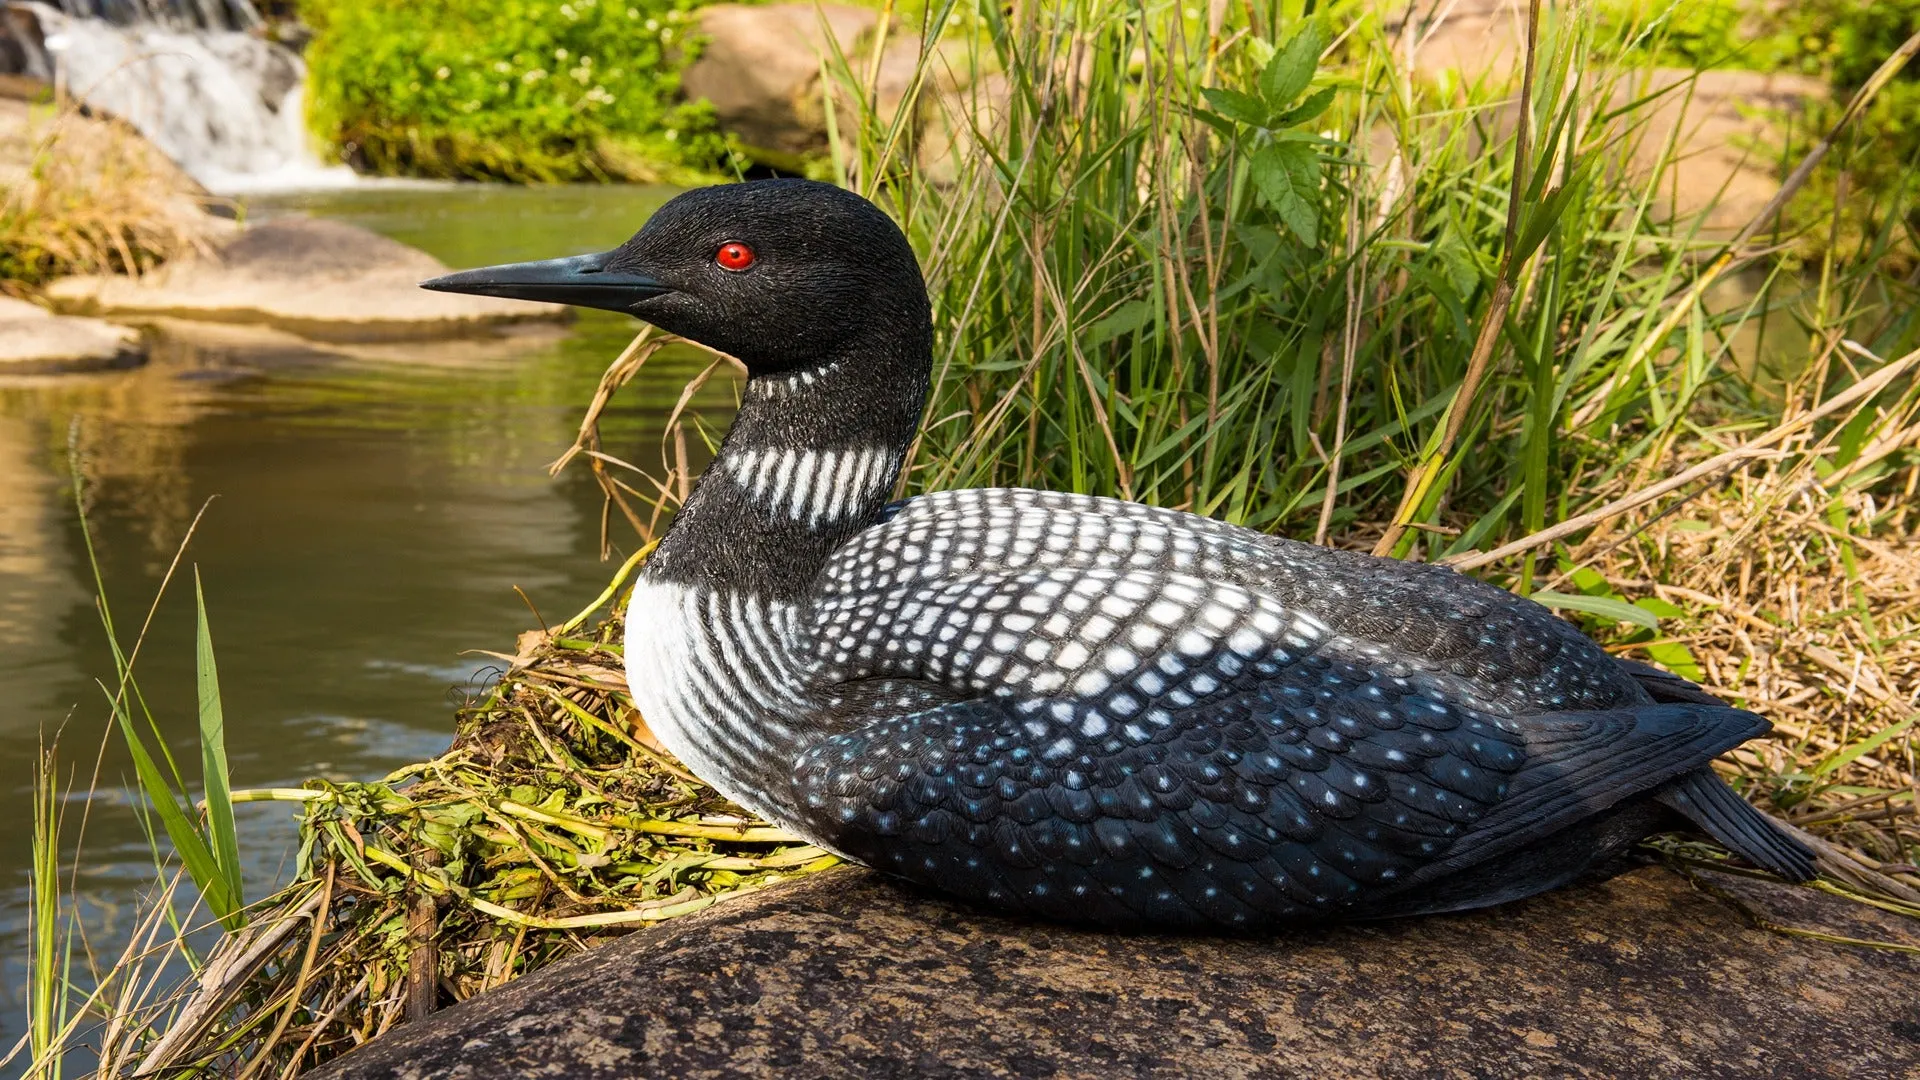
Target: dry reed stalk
(1854,397)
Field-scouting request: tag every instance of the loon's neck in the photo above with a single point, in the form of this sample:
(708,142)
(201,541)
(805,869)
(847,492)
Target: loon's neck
(810,460)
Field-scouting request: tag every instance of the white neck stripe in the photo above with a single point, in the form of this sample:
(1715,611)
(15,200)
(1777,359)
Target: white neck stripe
(818,486)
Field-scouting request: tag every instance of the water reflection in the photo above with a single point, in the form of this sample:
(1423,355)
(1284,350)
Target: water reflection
(373,508)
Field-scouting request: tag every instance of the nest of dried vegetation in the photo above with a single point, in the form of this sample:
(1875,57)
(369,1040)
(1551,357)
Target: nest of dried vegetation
(550,823)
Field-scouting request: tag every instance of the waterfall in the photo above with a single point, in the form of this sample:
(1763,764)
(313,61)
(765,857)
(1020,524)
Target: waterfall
(195,14)
(227,105)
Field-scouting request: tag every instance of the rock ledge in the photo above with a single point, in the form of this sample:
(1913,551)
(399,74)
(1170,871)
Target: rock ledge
(324,280)
(36,342)
(848,975)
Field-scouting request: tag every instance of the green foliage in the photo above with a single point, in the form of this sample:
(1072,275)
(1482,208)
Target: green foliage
(518,90)
(1135,296)
(1840,41)
(222,832)
(50,960)
(1286,164)
(1843,39)
(1703,34)
(210,853)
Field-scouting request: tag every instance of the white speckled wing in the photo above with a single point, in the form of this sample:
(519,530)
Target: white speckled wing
(1027,594)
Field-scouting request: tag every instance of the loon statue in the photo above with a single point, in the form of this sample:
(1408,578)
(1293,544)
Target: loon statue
(1081,708)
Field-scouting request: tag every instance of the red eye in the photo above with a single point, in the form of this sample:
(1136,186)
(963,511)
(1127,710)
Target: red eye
(734,255)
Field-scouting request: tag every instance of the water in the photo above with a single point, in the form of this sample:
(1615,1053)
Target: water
(373,514)
(227,106)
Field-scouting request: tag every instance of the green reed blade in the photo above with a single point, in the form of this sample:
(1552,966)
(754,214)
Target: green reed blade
(215,778)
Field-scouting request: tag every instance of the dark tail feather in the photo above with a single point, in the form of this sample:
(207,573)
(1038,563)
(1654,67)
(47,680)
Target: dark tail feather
(1665,686)
(1712,805)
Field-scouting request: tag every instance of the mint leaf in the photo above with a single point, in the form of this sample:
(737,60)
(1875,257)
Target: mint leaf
(1292,68)
(1288,176)
(1236,106)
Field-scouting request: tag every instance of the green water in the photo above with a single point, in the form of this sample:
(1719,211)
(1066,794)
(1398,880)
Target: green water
(371,516)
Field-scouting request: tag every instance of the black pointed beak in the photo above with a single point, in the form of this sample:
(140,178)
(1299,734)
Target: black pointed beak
(581,280)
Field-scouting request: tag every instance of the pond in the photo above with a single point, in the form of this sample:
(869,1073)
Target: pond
(371,516)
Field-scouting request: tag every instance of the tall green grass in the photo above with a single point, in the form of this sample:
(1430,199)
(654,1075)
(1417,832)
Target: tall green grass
(1433,317)
(77,999)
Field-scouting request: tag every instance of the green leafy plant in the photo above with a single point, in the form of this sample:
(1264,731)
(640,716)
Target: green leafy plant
(518,90)
(1286,164)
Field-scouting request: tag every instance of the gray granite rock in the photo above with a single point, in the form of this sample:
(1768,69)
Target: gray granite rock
(849,975)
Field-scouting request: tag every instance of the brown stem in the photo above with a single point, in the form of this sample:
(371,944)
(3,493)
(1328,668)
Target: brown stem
(1490,325)
(423,954)
(1858,393)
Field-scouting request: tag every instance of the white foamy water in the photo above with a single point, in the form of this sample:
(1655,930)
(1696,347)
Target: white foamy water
(227,106)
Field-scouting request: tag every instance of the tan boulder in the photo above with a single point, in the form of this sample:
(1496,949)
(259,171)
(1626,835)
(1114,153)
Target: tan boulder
(845,974)
(325,280)
(761,67)
(36,342)
(958,114)
(61,163)
(1721,129)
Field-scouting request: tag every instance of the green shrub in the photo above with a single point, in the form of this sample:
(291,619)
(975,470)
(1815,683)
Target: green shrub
(519,90)
(1842,40)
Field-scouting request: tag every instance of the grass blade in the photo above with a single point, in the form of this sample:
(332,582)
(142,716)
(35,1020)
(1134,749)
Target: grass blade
(192,848)
(213,752)
(1606,607)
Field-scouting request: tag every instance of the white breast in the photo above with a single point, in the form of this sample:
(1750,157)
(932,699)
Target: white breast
(715,677)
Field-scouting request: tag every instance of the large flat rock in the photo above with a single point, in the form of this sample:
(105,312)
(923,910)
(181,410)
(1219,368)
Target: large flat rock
(325,280)
(34,341)
(848,975)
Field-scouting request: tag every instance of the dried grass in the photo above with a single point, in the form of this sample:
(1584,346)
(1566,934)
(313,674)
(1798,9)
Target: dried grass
(82,195)
(1816,628)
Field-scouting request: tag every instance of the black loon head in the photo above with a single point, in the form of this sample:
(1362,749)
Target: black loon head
(782,274)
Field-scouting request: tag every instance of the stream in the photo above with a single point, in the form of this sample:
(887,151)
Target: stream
(371,516)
